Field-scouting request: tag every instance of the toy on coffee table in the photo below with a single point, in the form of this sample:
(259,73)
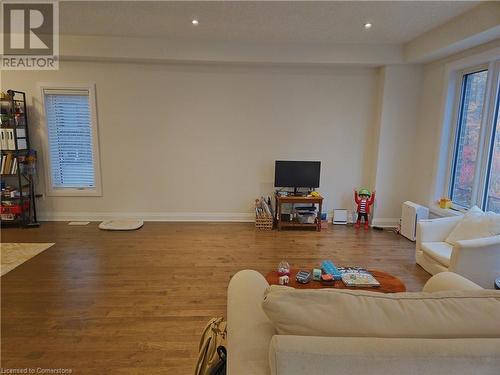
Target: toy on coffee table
(283,280)
(329,268)
(283,268)
(317,274)
(303,277)
(364,200)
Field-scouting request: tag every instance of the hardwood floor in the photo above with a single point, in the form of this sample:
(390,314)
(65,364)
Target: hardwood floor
(135,302)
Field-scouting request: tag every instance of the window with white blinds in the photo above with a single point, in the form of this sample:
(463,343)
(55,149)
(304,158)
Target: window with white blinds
(71,139)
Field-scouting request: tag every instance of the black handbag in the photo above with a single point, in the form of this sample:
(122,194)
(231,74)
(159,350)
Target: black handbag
(220,367)
(213,337)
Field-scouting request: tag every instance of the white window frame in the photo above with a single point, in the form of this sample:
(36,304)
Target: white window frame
(72,192)
(486,135)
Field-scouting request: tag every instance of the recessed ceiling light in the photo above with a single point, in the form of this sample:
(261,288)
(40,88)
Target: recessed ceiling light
(367,25)
(195,22)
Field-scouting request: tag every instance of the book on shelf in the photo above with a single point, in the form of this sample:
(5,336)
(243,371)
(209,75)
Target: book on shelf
(7,139)
(8,161)
(11,143)
(3,139)
(10,164)
(357,277)
(9,192)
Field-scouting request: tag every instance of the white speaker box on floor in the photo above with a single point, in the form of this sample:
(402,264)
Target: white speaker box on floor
(339,216)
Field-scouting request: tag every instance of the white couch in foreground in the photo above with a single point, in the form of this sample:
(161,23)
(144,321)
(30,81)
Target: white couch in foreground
(476,259)
(451,327)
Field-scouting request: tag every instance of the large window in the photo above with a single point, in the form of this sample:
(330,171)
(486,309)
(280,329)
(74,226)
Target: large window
(492,195)
(475,167)
(71,141)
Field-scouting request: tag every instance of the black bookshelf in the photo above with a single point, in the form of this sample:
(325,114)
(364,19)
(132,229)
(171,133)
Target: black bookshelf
(19,209)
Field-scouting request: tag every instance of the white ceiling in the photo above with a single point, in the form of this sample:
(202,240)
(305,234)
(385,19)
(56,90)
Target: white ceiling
(277,22)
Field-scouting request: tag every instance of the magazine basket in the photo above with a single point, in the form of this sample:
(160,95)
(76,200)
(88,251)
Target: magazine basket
(264,223)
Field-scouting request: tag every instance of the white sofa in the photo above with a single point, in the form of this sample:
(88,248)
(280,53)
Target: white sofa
(256,347)
(478,260)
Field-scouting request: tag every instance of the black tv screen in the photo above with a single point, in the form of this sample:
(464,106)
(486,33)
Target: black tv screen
(297,174)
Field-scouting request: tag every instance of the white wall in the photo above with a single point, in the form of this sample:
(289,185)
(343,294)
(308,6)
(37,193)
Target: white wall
(395,153)
(199,141)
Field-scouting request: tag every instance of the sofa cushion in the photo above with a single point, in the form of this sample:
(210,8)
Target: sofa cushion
(449,281)
(356,313)
(439,251)
(299,355)
(475,224)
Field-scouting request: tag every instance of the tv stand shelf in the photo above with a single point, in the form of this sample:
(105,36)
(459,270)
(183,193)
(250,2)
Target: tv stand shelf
(293,200)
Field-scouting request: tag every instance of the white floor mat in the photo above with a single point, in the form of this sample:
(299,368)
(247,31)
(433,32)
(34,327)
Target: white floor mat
(123,224)
(79,223)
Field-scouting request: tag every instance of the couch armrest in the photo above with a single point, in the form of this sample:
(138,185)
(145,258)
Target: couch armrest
(249,330)
(435,230)
(448,281)
(298,355)
(478,260)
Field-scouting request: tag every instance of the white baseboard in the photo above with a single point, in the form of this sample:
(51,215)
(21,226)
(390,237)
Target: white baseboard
(148,216)
(238,217)
(386,222)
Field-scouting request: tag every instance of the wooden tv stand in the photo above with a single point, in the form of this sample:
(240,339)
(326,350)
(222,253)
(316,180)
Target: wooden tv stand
(297,199)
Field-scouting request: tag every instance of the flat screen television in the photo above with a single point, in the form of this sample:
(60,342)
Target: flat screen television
(297,174)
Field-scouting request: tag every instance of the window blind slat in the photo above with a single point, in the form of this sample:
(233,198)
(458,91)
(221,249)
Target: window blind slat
(70,138)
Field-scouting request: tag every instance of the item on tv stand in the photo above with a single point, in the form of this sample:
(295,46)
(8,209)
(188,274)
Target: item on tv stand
(284,268)
(297,193)
(297,174)
(364,200)
(306,217)
(303,277)
(329,268)
(286,217)
(306,208)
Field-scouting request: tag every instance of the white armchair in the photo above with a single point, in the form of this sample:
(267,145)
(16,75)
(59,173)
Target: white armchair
(477,260)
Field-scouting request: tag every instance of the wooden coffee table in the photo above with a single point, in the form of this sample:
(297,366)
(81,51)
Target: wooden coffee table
(388,283)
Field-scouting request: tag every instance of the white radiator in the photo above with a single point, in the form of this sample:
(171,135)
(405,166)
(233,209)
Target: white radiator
(412,212)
